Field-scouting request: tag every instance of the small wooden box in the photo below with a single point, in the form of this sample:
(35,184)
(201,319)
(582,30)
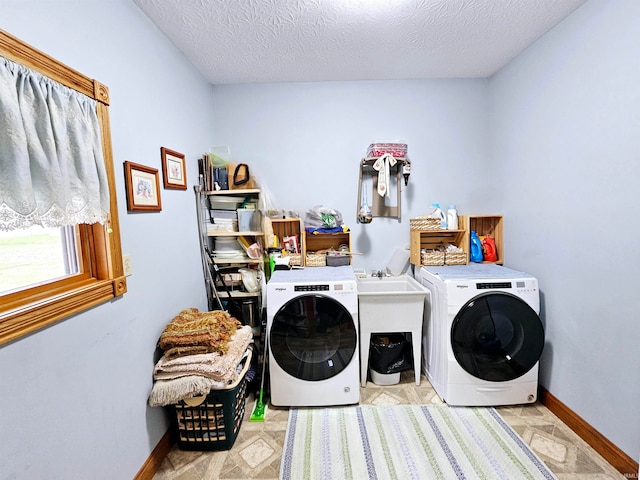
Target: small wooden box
(484,225)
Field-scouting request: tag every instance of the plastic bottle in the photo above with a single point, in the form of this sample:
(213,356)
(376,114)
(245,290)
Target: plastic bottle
(438,213)
(489,251)
(452,218)
(476,248)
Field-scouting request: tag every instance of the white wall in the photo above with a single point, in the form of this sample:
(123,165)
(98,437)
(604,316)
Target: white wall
(566,135)
(74,395)
(305,142)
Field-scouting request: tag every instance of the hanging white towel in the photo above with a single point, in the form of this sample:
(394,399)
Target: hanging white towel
(381,165)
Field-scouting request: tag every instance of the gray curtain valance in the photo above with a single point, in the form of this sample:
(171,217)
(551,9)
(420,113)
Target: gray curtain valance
(52,170)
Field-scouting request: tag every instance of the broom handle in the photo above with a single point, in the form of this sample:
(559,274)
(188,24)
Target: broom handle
(264,365)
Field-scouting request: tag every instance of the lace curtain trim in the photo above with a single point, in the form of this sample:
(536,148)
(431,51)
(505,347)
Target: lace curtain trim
(51,161)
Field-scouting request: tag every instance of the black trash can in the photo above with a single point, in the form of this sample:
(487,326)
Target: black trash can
(388,356)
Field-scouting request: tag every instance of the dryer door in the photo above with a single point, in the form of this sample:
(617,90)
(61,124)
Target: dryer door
(497,337)
(313,337)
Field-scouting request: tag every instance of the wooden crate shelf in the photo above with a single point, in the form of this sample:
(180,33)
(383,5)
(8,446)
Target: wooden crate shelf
(325,241)
(482,224)
(289,227)
(431,240)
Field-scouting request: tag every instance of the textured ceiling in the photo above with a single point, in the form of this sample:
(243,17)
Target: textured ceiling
(261,41)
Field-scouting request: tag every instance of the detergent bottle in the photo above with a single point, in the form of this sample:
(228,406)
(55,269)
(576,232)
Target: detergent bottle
(476,248)
(452,218)
(436,212)
(489,251)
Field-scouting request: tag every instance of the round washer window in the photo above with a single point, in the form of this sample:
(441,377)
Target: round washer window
(497,337)
(313,337)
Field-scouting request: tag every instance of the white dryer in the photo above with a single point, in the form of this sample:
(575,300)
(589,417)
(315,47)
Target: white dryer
(482,335)
(312,329)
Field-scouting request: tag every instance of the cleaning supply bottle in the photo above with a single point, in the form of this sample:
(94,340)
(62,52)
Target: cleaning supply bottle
(476,248)
(364,214)
(436,212)
(452,218)
(489,251)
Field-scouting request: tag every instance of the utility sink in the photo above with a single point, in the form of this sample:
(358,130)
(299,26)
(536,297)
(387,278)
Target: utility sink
(387,305)
(390,285)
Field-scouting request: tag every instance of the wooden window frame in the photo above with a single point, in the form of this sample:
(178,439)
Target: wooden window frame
(102,279)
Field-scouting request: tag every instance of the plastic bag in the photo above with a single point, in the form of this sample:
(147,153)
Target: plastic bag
(389,353)
(322,217)
(265,205)
(250,279)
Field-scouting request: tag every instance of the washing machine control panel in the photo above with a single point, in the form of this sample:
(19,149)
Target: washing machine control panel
(311,288)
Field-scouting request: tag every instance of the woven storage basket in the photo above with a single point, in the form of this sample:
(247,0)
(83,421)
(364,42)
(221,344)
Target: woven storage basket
(432,258)
(424,223)
(455,258)
(316,260)
(295,259)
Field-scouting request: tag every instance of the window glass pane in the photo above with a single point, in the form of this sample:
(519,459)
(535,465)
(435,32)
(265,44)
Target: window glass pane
(35,256)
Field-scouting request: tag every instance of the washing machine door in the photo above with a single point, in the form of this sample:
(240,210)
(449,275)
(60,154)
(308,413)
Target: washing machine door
(497,337)
(313,337)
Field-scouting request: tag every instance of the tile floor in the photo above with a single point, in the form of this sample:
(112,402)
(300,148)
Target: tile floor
(258,447)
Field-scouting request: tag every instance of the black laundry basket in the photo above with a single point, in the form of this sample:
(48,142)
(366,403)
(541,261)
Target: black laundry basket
(212,422)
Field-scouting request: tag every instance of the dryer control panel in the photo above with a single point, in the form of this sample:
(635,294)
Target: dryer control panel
(514,286)
(461,291)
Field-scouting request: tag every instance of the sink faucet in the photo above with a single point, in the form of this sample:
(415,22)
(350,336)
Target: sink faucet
(380,274)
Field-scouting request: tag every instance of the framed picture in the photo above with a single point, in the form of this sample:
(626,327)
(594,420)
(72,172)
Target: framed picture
(143,187)
(174,171)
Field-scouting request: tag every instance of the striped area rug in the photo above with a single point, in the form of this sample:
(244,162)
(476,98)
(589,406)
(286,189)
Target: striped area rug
(405,442)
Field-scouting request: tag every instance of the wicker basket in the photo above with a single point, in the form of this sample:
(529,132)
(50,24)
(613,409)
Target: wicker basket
(295,259)
(455,258)
(432,257)
(316,260)
(424,223)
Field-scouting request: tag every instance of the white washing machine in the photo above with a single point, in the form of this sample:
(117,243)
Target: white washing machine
(312,329)
(482,334)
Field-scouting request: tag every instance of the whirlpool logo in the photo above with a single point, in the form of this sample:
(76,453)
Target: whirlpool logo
(462,285)
(280,289)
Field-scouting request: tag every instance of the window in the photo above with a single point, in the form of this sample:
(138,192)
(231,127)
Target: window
(88,268)
(36,255)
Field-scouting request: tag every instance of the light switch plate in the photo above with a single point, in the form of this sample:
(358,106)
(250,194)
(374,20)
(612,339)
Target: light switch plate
(126,264)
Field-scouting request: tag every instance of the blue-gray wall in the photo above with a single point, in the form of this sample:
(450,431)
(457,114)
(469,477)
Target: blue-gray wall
(74,395)
(566,144)
(306,141)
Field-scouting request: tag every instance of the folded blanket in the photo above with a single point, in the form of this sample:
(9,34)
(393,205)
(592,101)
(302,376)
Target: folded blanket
(170,392)
(192,328)
(214,366)
(175,352)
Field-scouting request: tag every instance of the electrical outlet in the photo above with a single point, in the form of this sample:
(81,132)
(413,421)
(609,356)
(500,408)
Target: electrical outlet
(126,264)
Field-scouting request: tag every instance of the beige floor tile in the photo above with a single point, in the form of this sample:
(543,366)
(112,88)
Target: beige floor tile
(257,450)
